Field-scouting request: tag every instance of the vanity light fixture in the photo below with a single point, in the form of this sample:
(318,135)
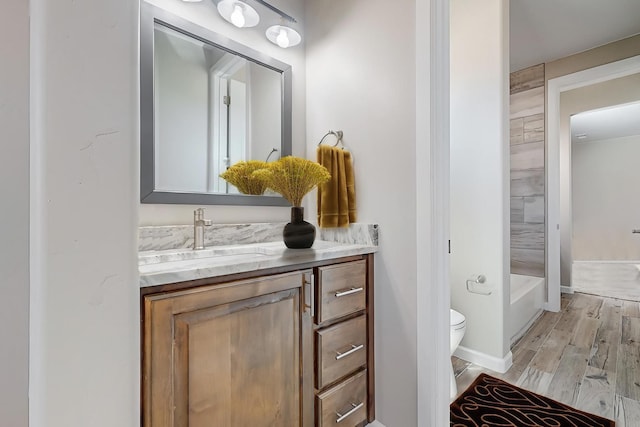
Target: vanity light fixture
(283,36)
(238,13)
(242,15)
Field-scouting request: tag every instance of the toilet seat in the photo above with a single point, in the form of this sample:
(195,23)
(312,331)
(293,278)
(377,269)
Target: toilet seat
(457,325)
(457,320)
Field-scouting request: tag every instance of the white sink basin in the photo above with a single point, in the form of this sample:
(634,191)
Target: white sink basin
(257,250)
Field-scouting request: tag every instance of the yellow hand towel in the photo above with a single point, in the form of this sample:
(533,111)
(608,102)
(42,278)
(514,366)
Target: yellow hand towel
(337,197)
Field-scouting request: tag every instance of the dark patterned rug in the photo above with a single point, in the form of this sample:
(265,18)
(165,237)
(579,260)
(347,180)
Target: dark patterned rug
(492,402)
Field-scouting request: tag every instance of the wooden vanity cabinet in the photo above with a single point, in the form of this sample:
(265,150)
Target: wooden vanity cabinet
(233,354)
(249,352)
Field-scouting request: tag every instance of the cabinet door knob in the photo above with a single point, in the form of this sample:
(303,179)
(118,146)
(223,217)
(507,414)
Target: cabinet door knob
(309,288)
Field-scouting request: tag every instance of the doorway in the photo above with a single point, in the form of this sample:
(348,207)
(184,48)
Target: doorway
(605,144)
(558,160)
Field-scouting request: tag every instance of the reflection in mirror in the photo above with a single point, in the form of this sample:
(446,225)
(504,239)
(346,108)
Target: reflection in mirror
(212,109)
(206,103)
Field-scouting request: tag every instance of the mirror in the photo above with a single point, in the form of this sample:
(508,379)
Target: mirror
(206,103)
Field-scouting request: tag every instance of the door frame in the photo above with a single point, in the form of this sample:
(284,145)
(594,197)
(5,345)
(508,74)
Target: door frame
(217,148)
(432,211)
(555,87)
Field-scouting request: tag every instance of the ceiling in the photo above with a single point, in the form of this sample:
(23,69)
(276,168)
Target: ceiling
(606,123)
(545,30)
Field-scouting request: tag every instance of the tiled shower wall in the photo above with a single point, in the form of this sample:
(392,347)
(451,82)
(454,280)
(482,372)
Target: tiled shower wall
(527,172)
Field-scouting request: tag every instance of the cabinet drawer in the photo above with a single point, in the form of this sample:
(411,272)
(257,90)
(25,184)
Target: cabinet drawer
(341,349)
(341,290)
(344,405)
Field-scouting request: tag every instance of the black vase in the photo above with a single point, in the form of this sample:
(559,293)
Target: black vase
(298,234)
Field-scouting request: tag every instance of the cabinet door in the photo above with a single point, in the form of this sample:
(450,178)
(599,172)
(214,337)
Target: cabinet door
(232,355)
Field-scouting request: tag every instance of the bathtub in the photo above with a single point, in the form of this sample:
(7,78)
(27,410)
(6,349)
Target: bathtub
(527,299)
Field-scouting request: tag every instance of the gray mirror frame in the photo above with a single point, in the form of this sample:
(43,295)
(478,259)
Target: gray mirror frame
(149,15)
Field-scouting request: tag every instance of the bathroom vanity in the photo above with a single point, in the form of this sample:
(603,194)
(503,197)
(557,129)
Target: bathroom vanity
(240,332)
(258,334)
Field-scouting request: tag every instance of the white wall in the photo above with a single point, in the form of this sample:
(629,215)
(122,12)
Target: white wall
(14,227)
(606,208)
(361,80)
(480,169)
(85,347)
(600,95)
(205,14)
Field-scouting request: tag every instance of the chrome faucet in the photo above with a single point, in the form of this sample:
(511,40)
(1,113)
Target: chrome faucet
(198,228)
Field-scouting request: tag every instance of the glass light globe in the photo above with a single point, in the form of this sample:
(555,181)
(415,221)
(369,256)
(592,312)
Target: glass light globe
(283,39)
(238,13)
(237,16)
(283,36)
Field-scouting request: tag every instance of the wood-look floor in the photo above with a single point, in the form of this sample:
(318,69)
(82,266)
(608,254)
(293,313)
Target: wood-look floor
(587,356)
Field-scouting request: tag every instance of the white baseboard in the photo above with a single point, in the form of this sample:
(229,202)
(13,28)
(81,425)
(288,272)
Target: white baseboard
(486,361)
(375,423)
(566,289)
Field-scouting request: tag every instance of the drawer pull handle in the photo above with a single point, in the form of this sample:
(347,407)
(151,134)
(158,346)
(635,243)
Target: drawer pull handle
(349,292)
(354,409)
(354,348)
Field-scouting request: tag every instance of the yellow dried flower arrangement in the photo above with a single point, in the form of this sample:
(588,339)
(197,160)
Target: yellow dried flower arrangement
(293,177)
(243,176)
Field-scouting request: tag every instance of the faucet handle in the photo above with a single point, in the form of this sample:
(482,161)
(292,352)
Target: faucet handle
(207,222)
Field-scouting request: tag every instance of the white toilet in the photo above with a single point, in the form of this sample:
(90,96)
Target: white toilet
(457,329)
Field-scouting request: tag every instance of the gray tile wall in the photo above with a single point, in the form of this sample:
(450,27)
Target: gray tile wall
(527,172)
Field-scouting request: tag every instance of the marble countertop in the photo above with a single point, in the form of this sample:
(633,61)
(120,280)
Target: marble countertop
(159,267)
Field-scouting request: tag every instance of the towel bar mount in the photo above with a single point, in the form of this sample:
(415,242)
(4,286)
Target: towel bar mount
(337,133)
